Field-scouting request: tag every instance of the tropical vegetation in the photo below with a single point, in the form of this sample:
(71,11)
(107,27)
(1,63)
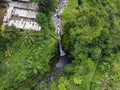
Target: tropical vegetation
(91,38)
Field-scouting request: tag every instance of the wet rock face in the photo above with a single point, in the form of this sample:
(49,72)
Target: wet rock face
(58,71)
(63,60)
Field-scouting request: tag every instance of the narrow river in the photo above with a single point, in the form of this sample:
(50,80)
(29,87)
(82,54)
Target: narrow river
(63,59)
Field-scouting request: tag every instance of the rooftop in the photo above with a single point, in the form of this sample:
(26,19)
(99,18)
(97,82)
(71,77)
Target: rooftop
(22,15)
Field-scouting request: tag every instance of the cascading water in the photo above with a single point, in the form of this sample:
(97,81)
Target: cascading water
(62,53)
(63,59)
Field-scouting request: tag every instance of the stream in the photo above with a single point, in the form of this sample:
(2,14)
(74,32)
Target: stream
(63,59)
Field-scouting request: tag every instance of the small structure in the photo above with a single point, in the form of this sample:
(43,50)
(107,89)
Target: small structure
(22,15)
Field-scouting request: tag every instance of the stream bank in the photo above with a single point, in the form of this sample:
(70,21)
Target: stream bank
(63,58)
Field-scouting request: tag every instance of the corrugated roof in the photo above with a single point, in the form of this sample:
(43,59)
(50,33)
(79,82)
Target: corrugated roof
(22,16)
(32,6)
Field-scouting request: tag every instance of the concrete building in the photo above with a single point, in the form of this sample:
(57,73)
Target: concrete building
(22,15)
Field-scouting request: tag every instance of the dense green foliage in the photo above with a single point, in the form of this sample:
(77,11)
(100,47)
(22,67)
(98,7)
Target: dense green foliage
(92,36)
(25,55)
(45,6)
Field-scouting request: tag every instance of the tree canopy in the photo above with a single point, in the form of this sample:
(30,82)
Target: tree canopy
(92,37)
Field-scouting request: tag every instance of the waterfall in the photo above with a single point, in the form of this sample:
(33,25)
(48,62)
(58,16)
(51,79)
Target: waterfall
(63,59)
(62,53)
